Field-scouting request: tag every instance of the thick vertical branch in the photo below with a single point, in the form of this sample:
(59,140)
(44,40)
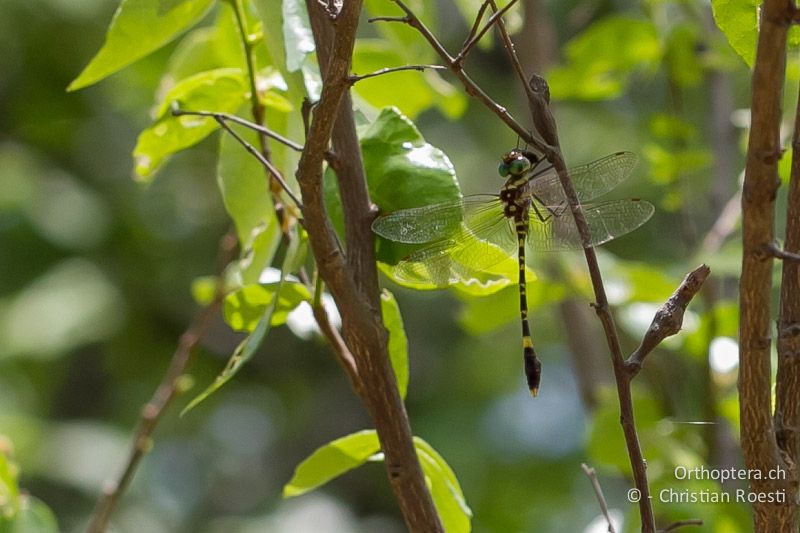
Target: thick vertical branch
(758,202)
(787,391)
(355,290)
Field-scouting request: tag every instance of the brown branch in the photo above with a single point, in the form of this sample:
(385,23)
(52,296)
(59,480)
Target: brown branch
(669,318)
(598,491)
(389,70)
(787,379)
(352,279)
(170,387)
(759,444)
(682,523)
(469,85)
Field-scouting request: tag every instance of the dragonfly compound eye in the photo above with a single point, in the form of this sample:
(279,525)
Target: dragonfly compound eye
(503,170)
(518,166)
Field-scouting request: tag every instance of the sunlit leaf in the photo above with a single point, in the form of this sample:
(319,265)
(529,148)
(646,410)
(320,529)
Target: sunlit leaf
(403,171)
(331,461)
(206,48)
(601,60)
(204,288)
(448,498)
(421,90)
(398,343)
(221,90)
(738,20)
(244,185)
(244,307)
(247,348)
(138,28)
(298,40)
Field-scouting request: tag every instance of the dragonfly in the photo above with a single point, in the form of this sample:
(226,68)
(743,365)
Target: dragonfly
(466,237)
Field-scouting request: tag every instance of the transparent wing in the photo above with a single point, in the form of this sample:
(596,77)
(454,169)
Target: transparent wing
(465,255)
(435,222)
(591,180)
(606,221)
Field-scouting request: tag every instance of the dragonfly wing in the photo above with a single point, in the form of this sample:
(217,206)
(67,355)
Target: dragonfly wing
(606,222)
(429,223)
(462,257)
(590,181)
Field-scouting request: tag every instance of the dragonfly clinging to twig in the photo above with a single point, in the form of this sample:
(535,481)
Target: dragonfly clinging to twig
(465,237)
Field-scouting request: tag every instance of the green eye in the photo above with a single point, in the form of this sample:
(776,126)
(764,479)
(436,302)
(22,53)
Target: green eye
(518,166)
(503,170)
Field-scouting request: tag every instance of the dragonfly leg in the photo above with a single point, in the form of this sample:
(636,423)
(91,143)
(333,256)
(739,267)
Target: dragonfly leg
(533,368)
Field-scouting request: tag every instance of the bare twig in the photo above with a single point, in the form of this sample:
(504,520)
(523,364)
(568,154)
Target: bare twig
(724,225)
(473,40)
(162,397)
(389,70)
(274,172)
(177,112)
(469,85)
(669,318)
(779,253)
(598,491)
(682,523)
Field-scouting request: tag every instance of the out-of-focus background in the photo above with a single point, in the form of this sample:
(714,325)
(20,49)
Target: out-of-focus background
(96,273)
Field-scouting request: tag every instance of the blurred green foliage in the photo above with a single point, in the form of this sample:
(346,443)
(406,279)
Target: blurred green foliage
(99,272)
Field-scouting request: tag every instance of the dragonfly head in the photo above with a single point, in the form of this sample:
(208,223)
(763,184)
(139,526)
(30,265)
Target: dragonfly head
(514,163)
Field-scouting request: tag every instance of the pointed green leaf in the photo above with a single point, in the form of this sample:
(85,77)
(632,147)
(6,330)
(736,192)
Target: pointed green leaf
(247,348)
(138,28)
(445,490)
(331,461)
(398,343)
(738,20)
(244,307)
(33,517)
(222,90)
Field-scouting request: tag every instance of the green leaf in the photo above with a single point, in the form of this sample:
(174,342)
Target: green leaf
(479,316)
(245,192)
(398,343)
(221,90)
(204,288)
(603,58)
(445,490)
(138,28)
(403,171)
(421,90)
(33,517)
(244,307)
(206,48)
(298,39)
(331,461)
(738,20)
(9,490)
(247,348)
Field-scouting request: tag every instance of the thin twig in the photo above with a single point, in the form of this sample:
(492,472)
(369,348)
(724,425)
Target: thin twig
(354,78)
(724,225)
(274,172)
(682,523)
(477,23)
(462,54)
(779,253)
(176,112)
(469,85)
(598,491)
(162,397)
(669,317)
